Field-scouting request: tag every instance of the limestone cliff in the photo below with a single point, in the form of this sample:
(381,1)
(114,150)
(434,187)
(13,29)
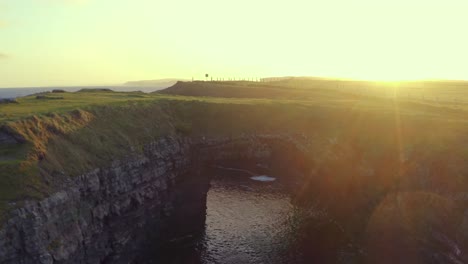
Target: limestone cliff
(113,184)
(101,215)
(119,213)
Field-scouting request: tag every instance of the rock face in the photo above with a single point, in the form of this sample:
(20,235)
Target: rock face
(104,216)
(119,213)
(124,212)
(6,138)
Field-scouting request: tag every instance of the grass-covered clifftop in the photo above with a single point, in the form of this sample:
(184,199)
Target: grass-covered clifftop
(360,145)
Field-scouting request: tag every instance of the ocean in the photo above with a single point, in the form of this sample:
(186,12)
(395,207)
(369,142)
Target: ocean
(19,92)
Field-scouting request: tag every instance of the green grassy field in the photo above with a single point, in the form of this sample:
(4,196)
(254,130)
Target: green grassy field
(444,94)
(85,130)
(376,96)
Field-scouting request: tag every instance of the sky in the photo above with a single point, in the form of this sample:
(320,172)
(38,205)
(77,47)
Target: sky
(109,42)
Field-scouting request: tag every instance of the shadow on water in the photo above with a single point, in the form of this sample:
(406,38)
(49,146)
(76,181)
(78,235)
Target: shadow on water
(251,221)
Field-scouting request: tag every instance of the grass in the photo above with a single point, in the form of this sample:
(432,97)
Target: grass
(232,92)
(89,129)
(29,106)
(440,94)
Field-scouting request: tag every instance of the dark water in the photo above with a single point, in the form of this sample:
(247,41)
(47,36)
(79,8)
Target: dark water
(247,222)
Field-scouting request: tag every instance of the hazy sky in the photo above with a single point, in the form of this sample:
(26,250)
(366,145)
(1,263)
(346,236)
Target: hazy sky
(81,42)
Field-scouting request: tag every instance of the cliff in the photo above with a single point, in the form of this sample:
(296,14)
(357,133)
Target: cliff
(122,212)
(110,182)
(100,216)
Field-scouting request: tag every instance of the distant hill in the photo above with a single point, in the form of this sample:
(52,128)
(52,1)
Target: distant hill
(303,78)
(154,83)
(286,88)
(309,88)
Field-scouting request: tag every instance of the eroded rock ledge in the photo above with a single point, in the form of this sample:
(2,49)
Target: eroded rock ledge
(99,215)
(115,214)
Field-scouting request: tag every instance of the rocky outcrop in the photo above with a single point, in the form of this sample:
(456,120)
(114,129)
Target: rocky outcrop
(6,138)
(124,211)
(8,101)
(101,216)
(276,155)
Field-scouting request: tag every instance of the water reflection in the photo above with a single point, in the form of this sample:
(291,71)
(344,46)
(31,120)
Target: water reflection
(251,221)
(247,221)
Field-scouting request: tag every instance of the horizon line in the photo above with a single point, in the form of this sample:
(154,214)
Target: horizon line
(327,78)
